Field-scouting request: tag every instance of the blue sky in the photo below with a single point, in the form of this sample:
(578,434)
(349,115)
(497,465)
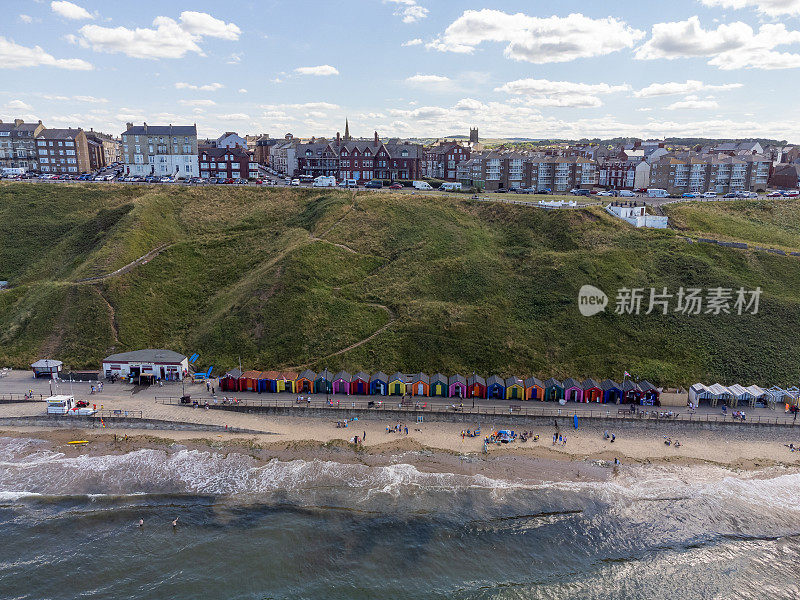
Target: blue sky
(716,68)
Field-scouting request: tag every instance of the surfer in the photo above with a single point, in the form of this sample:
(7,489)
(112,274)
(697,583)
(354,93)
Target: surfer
(175,523)
(141,522)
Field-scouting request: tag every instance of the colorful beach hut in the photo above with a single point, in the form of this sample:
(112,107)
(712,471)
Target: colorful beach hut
(612,392)
(515,388)
(323,384)
(248,382)
(573,390)
(397,385)
(287,382)
(230,381)
(360,384)
(650,394)
(439,385)
(495,387)
(305,383)
(631,392)
(534,389)
(379,384)
(341,383)
(553,390)
(264,383)
(476,387)
(592,392)
(420,385)
(457,386)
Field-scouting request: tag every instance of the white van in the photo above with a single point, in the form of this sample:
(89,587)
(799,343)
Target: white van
(710,195)
(422,185)
(450,186)
(657,193)
(349,183)
(626,194)
(324,181)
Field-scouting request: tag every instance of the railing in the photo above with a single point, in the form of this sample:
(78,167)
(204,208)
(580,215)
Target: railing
(378,405)
(102,414)
(15,398)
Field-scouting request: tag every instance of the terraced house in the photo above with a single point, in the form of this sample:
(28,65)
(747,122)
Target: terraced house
(161,150)
(63,151)
(695,173)
(493,171)
(18,145)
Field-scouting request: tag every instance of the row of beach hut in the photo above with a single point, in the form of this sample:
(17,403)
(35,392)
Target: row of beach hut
(736,394)
(454,386)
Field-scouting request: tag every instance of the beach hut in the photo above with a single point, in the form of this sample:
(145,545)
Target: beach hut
(397,385)
(360,384)
(305,383)
(476,387)
(612,392)
(230,381)
(341,383)
(534,389)
(573,390)
(47,367)
(264,383)
(631,392)
(758,395)
(699,392)
(379,384)
(720,393)
(740,394)
(515,388)
(287,382)
(553,390)
(439,385)
(651,395)
(495,387)
(420,385)
(457,386)
(592,392)
(323,383)
(248,382)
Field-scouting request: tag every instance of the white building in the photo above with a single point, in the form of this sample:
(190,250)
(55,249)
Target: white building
(635,214)
(160,150)
(641,177)
(147,364)
(231,139)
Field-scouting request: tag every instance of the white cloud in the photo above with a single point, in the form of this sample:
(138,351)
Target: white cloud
(305,106)
(414,42)
(408,10)
(242,91)
(537,40)
(208,87)
(29,19)
(14,56)
(203,24)
(235,58)
(320,70)
(543,93)
(18,105)
(429,81)
(234,117)
(730,46)
(674,88)
(68,10)
(773,8)
(167,39)
(90,99)
(197,102)
(693,103)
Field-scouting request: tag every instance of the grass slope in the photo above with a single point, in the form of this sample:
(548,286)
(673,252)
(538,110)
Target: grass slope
(288,278)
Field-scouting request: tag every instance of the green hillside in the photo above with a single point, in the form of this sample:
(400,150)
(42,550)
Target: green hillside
(287,278)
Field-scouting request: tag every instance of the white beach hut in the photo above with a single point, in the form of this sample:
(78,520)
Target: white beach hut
(720,393)
(758,394)
(740,394)
(699,392)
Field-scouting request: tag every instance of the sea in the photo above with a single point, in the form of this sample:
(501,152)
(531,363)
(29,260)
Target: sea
(248,529)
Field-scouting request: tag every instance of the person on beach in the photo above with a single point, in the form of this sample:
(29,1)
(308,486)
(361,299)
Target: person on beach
(141,523)
(613,438)
(406,429)
(175,523)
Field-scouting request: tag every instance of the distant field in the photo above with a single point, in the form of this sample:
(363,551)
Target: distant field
(285,278)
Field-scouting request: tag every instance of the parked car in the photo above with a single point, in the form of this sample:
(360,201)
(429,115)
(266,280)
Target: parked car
(295,182)
(581,193)
(626,194)
(241,181)
(500,191)
(605,194)
(166,180)
(395,186)
(374,184)
(732,195)
(774,195)
(689,195)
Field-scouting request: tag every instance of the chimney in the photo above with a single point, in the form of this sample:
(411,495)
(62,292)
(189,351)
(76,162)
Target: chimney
(18,122)
(338,138)
(127,125)
(145,127)
(377,139)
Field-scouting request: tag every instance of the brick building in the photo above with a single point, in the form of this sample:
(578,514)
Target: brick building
(696,173)
(18,145)
(64,151)
(228,163)
(441,161)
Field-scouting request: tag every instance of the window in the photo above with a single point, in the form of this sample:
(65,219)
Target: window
(70,152)
(138,148)
(136,138)
(44,159)
(187,148)
(404,153)
(124,138)
(41,143)
(69,143)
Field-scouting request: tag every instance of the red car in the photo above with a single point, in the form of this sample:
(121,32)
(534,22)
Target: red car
(395,186)
(228,181)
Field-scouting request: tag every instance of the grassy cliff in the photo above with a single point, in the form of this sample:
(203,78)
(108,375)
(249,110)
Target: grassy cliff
(287,278)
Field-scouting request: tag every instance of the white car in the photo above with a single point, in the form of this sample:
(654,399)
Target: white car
(166,180)
(709,194)
(295,182)
(605,193)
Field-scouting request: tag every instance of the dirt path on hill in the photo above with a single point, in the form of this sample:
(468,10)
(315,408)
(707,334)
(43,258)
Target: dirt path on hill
(144,259)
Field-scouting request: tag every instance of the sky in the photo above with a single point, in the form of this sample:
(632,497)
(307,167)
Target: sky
(407,68)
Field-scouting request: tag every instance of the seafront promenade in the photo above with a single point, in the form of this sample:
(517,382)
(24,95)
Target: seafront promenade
(245,410)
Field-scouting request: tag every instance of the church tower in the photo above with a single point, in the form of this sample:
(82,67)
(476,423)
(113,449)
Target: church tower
(346,131)
(473,135)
